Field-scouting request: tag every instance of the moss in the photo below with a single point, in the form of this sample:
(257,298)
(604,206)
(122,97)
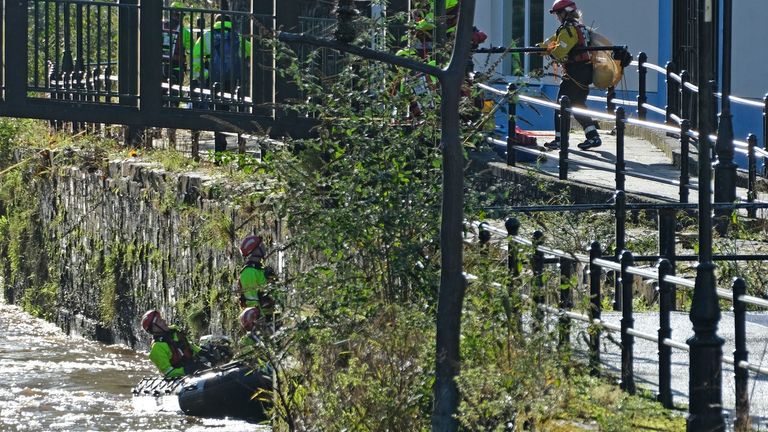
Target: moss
(41,301)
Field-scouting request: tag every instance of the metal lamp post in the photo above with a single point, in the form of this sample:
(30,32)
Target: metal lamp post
(725,169)
(706,348)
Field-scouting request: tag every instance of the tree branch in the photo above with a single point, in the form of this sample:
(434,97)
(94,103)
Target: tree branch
(368,53)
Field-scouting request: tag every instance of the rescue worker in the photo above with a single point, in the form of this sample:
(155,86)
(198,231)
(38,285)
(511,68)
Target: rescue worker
(171,352)
(563,48)
(177,40)
(252,322)
(253,277)
(217,57)
(176,43)
(251,345)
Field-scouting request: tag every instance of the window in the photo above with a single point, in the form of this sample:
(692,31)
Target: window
(526,18)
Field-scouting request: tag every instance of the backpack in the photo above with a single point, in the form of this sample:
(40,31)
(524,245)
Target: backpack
(607,66)
(225,56)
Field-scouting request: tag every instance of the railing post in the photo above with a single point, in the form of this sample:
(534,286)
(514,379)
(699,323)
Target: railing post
(685,143)
(765,133)
(627,323)
(150,53)
(752,162)
(672,94)
(642,96)
(595,308)
(610,94)
(513,263)
(286,19)
(261,77)
(565,302)
(740,354)
(511,125)
(666,303)
(128,70)
(537,285)
(16,20)
(621,233)
(565,130)
(620,163)
(667,227)
(484,237)
(685,95)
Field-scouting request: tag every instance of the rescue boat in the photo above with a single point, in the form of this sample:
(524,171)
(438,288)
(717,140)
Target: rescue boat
(231,390)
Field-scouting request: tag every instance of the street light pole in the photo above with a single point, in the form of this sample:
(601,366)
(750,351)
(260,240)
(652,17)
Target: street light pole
(725,169)
(706,348)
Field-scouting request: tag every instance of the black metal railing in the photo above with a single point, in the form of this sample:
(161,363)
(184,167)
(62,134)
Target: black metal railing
(625,271)
(681,129)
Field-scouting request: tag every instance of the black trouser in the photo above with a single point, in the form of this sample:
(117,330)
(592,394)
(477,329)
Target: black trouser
(575,85)
(220,140)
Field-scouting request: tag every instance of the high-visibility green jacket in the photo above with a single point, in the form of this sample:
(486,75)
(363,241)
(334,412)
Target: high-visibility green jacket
(171,352)
(201,52)
(252,281)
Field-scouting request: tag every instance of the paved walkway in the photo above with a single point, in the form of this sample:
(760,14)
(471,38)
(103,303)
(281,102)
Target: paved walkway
(650,171)
(646,359)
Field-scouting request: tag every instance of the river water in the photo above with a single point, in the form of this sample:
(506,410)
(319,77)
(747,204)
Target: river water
(52,382)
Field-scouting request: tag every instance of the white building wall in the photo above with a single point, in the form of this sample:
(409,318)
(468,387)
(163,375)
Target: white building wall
(749,70)
(625,22)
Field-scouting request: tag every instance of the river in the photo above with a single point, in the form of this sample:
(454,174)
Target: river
(53,382)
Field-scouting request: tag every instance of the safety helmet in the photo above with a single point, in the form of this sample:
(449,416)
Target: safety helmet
(252,245)
(176,5)
(249,317)
(560,5)
(149,318)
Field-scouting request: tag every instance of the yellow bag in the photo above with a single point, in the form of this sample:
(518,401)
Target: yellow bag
(606,71)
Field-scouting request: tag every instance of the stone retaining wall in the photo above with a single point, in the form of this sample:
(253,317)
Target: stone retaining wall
(131,237)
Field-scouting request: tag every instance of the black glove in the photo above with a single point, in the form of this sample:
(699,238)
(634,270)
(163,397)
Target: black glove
(622,56)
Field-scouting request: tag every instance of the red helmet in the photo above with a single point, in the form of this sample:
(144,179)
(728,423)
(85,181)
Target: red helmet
(566,5)
(249,317)
(149,318)
(252,245)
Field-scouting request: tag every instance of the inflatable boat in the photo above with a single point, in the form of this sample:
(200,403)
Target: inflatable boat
(231,390)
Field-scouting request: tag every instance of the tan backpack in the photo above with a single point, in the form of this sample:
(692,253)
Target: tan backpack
(606,71)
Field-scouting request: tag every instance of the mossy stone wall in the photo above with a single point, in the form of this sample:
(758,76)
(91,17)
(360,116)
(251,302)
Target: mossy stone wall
(105,243)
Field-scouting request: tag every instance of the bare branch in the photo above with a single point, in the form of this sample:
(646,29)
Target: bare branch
(368,53)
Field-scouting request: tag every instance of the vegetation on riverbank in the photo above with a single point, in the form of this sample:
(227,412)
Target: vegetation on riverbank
(362,206)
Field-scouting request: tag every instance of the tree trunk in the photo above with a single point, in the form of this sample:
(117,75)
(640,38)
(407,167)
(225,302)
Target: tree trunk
(452,281)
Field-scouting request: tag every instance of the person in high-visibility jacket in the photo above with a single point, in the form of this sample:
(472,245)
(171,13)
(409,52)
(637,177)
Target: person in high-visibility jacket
(218,57)
(251,345)
(563,48)
(253,277)
(205,46)
(171,352)
(177,40)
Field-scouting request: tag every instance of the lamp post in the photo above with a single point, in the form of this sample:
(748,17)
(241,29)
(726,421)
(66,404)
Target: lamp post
(706,348)
(725,168)
(452,282)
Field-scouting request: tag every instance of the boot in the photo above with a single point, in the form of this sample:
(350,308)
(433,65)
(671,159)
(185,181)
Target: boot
(591,143)
(553,145)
